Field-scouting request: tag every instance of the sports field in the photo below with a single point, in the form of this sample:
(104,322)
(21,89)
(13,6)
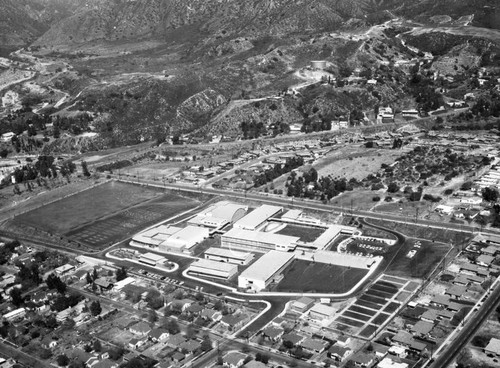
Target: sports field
(308,277)
(91,204)
(106,214)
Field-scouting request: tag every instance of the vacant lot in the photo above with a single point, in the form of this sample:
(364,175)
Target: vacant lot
(356,163)
(309,276)
(62,215)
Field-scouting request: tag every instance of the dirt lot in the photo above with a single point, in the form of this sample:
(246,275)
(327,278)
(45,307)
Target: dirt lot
(351,162)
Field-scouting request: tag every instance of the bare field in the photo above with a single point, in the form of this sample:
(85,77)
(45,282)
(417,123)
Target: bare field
(355,163)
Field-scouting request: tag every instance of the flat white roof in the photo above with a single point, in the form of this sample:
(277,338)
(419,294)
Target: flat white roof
(229,253)
(260,236)
(267,265)
(153,256)
(190,233)
(323,309)
(257,216)
(214,265)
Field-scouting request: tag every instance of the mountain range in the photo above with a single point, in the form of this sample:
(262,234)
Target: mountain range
(194,65)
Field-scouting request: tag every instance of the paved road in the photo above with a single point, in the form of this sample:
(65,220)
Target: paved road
(470,328)
(309,204)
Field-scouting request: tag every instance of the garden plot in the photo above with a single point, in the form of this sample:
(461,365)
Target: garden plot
(372,309)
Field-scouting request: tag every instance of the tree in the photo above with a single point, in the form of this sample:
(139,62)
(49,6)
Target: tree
(54,282)
(89,278)
(206,344)
(172,326)
(45,353)
(392,187)
(97,346)
(85,169)
(154,299)
(62,360)
(490,194)
(152,316)
(95,308)
(121,274)
(16,297)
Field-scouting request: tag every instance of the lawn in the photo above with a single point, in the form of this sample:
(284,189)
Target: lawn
(91,204)
(306,276)
(307,234)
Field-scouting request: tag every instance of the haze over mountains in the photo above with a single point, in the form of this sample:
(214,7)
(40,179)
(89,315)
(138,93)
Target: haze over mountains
(63,22)
(192,65)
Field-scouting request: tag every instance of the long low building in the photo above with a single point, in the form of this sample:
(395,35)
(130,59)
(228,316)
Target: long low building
(265,270)
(257,217)
(206,267)
(152,259)
(257,241)
(228,256)
(170,239)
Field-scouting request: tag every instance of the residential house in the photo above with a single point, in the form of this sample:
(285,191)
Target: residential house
(194,309)
(456,292)
(48,342)
(380,350)
(314,345)
(255,364)
(178,357)
(105,363)
(158,334)
(485,260)
(491,250)
(441,301)
(190,346)
(273,333)
(430,315)
(175,340)
(398,351)
(137,342)
(293,338)
(180,305)
(446,314)
(422,328)
(471,269)
(233,322)
(363,360)
(493,347)
(389,363)
(343,340)
(234,359)
(405,339)
(140,328)
(211,315)
(338,353)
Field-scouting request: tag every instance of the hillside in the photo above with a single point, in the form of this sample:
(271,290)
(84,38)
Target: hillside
(148,68)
